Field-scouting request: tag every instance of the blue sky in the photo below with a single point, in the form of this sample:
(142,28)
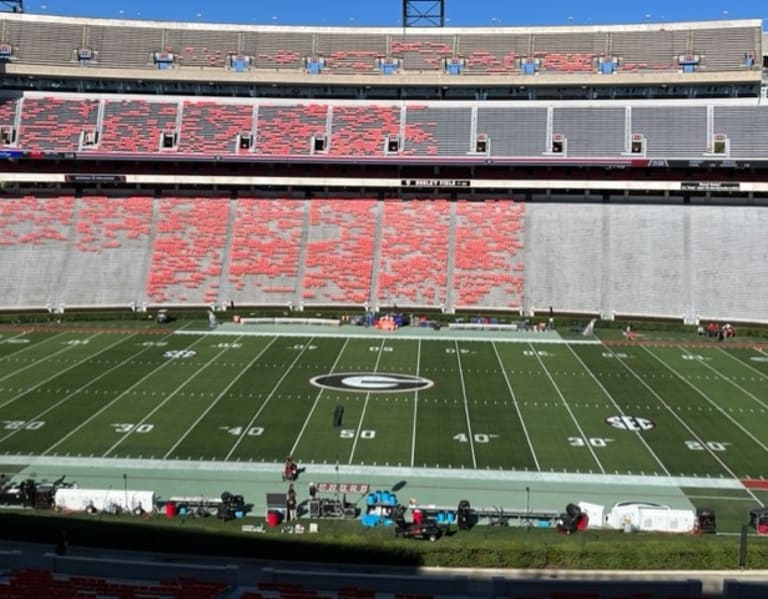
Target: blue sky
(460,13)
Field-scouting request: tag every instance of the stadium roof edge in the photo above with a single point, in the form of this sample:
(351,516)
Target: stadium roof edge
(418,32)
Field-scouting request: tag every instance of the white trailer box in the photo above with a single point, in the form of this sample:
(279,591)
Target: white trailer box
(78,500)
(594,512)
(643,516)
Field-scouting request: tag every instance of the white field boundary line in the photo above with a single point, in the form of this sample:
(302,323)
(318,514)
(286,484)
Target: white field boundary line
(567,407)
(415,405)
(757,371)
(26,346)
(317,401)
(169,397)
(58,373)
(266,401)
(120,395)
(619,408)
(466,404)
(357,470)
(394,335)
(517,406)
(734,383)
(365,406)
(684,424)
(709,400)
(218,398)
(45,359)
(77,391)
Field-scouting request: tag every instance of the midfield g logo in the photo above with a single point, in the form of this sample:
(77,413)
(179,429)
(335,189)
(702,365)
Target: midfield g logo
(372,382)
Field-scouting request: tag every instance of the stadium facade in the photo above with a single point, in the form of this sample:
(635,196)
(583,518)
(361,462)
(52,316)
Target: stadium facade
(611,170)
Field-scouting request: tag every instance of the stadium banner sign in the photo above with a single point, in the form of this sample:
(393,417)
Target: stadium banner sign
(435,183)
(710,186)
(94,178)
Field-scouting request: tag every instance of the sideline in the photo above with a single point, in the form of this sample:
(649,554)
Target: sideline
(333,470)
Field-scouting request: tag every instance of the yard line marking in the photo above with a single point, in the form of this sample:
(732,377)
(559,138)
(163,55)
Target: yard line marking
(218,397)
(365,406)
(121,395)
(317,400)
(466,405)
(757,371)
(60,372)
(567,407)
(734,383)
(69,396)
(618,407)
(415,404)
(167,399)
(707,398)
(684,424)
(26,347)
(268,398)
(46,358)
(517,407)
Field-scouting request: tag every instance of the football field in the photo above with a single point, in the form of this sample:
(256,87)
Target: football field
(656,410)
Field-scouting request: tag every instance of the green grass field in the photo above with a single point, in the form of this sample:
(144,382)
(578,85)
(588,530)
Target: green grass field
(692,416)
(654,410)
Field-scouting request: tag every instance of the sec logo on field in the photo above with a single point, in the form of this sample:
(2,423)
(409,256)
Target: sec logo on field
(368,382)
(631,423)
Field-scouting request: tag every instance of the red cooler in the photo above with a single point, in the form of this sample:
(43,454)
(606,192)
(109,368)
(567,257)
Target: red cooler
(418,516)
(273,518)
(170,509)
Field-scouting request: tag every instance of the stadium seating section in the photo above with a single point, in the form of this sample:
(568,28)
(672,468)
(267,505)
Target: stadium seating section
(34,584)
(216,127)
(134,250)
(721,46)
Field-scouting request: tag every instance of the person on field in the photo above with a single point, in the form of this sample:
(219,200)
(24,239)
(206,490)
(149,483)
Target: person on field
(290,503)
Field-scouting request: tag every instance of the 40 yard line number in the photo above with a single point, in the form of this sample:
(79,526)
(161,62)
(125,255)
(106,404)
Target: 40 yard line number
(477,437)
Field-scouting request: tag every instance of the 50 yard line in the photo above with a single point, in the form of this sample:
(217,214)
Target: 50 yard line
(317,400)
(365,406)
(415,404)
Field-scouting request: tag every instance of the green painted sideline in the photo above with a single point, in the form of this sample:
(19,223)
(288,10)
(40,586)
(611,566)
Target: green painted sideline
(330,470)
(411,333)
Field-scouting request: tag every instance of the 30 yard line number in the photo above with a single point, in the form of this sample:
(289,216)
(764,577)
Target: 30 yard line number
(589,442)
(129,427)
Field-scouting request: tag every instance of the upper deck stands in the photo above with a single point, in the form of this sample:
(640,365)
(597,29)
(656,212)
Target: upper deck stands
(132,125)
(47,40)
(213,127)
(439,130)
(362,130)
(56,123)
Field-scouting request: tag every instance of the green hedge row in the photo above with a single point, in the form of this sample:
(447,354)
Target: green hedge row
(348,542)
